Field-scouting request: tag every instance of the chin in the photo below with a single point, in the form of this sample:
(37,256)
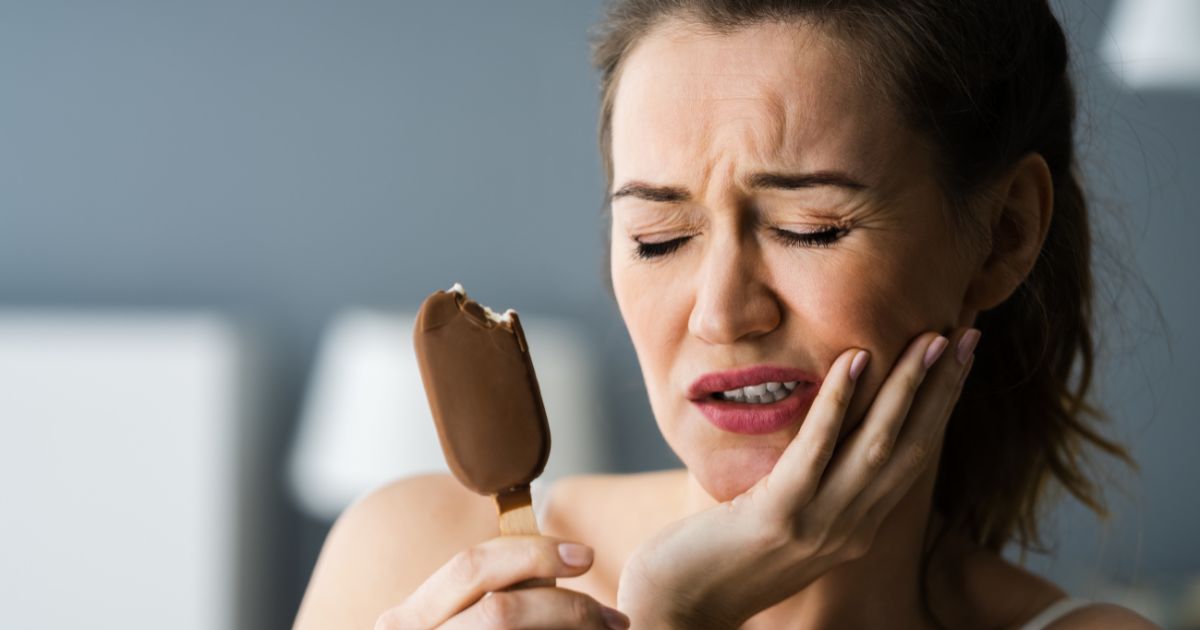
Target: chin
(726,472)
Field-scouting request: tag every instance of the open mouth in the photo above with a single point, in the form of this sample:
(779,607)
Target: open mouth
(760,394)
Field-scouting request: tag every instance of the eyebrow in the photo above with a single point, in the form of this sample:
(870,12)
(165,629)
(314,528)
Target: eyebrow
(755,181)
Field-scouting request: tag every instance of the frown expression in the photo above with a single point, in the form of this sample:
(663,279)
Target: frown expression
(720,263)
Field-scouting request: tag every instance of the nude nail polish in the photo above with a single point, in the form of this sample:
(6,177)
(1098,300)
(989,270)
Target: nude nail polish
(966,345)
(935,350)
(858,363)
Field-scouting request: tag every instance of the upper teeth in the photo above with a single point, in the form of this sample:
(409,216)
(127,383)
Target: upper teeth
(762,393)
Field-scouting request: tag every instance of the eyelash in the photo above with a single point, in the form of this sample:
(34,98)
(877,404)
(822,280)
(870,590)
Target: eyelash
(822,238)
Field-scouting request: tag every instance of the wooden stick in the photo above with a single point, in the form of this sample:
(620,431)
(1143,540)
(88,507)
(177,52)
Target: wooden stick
(515,509)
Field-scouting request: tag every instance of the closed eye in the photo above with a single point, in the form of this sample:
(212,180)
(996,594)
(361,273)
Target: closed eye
(646,251)
(825,237)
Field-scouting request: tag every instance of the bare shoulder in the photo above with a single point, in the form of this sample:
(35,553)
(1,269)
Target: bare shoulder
(980,588)
(1102,617)
(974,587)
(387,544)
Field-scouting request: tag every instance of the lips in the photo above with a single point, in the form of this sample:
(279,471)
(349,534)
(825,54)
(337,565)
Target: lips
(713,382)
(753,418)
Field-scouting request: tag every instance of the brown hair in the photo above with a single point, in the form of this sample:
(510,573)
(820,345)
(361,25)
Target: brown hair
(986,82)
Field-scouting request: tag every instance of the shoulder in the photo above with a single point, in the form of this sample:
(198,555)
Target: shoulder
(387,544)
(970,586)
(995,592)
(1101,617)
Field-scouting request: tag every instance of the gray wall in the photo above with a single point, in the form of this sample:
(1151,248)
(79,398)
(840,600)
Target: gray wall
(281,160)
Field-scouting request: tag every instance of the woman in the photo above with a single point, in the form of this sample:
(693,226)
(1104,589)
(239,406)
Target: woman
(824,216)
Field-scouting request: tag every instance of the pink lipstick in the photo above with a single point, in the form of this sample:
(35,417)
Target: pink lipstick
(755,400)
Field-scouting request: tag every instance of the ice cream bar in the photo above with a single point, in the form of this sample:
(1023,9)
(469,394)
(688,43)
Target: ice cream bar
(485,401)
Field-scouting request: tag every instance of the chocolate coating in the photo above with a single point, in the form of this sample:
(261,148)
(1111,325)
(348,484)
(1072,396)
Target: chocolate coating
(483,393)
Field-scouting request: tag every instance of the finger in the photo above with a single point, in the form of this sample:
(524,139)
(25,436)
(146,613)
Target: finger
(870,447)
(536,609)
(921,435)
(798,471)
(490,566)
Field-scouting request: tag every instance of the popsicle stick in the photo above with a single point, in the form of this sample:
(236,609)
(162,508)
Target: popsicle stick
(515,509)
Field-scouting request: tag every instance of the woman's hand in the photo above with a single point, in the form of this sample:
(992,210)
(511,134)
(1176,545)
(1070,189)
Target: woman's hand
(467,591)
(814,510)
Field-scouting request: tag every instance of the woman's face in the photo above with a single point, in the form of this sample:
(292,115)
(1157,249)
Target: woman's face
(743,263)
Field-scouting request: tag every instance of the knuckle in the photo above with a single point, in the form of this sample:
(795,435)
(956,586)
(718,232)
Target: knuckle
(911,382)
(840,397)
(389,620)
(499,610)
(822,451)
(856,547)
(583,610)
(536,561)
(466,566)
(769,535)
(916,455)
(806,540)
(879,453)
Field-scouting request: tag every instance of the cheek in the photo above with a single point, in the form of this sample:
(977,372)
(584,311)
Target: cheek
(879,295)
(879,302)
(853,301)
(653,302)
(642,306)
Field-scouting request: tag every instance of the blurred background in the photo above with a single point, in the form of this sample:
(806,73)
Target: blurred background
(216,220)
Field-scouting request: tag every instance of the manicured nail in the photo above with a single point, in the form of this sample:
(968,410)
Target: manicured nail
(615,619)
(935,350)
(858,363)
(966,345)
(575,555)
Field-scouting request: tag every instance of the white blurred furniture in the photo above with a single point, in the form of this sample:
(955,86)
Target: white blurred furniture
(367,421)
(122,440)
(1154,43)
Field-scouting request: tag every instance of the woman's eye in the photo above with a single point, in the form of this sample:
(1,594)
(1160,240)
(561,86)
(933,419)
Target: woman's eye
(824,237)
(646,251)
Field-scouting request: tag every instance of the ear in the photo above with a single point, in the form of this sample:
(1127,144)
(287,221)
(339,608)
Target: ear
(1017,217)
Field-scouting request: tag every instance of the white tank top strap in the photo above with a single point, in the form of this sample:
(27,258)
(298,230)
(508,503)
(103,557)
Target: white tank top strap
(1055,611)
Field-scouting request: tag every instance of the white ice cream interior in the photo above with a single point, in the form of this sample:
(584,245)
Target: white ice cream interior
(504,318)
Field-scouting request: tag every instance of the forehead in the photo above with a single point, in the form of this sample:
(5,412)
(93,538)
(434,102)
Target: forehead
(765,96)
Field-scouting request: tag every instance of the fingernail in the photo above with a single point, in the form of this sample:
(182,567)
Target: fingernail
(966,345)
(858,363)
(935,350)
(614,618)
(575,555)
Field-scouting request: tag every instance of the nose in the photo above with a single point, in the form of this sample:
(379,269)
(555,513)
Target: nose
(733,301)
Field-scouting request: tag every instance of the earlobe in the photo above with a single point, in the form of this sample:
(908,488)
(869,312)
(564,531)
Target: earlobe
(1017,223)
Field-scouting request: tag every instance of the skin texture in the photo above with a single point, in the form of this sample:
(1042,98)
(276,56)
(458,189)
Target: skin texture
(698,112)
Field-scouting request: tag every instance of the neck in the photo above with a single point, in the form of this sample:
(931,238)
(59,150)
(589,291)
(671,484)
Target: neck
(880,589)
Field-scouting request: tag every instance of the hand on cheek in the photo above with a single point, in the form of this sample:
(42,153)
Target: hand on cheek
(819,507)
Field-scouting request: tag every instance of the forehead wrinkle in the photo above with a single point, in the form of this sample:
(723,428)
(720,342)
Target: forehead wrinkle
(762,133)
(759,115)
